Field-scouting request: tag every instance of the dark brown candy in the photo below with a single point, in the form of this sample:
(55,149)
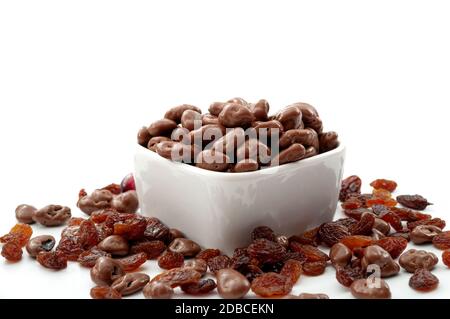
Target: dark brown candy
(52,215)
(24,214)
(175,113)
(162,127)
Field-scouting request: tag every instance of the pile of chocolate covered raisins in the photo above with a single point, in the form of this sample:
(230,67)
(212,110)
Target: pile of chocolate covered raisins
(238,136)
(114,241)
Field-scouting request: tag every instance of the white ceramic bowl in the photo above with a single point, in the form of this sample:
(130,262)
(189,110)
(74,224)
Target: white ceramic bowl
(219,210)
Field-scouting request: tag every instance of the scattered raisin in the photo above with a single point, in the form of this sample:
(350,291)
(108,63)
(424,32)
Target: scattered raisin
(170,260)
(364,226)
(132,228)
(356,241)
(311,253)
(347,275)
(442,240)
(270,285)
(52,259)
(178,276)
(384,184)
(409,215)
(332,233)
(390,202)
(152,248)
(393,220)
(292,270)
(266,251)
(20,234)
(219,262)
(104,292)
(423,280)
(352,203)
(12,251)
(75,221)
(156,230)
(88,234)
(393,245)
(89,257)
(310,237)
(207,254)
(263,232)
(350,185)
(356,213)
(314,268)
(446,257)
(413,201)
(202,287)
(133,262)
(70,247)
(435,222)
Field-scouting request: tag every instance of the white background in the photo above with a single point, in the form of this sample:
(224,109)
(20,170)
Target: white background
(78,78)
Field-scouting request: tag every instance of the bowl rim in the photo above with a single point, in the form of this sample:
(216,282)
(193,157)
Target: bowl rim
(243,175)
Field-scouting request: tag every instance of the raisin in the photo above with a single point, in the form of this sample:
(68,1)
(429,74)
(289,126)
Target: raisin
(384,184)
(263,232)
(393,220)
(295,256)
(152,248)
(178,276)
(314,268)
(350,185)
(239,252)
(413,201)
(266,251)
(393,245)
(170,260)
(133,262)
(70,247)
(332,233)
(356,213)
(390,202)
(409,215)
(347,275)
(276,267)
(52,259)
(380,210)
(202,287)
(442,240)
(310,237)
(446,257)
(217,263)
(156,230)
(423,280)
(131,228)
(402,234)
(270,285)
(89,257)
(310,253)
(346,222)
(104,230)
(75,221)
(101,215)
(364,226)
(88,234)
(105,292)
(434,222)
(113,188)
(352,203)
(240,260)
(356,241)
(381,193)
(292,270)
(207,254)
(12,251)
(20,234)
(251,272)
